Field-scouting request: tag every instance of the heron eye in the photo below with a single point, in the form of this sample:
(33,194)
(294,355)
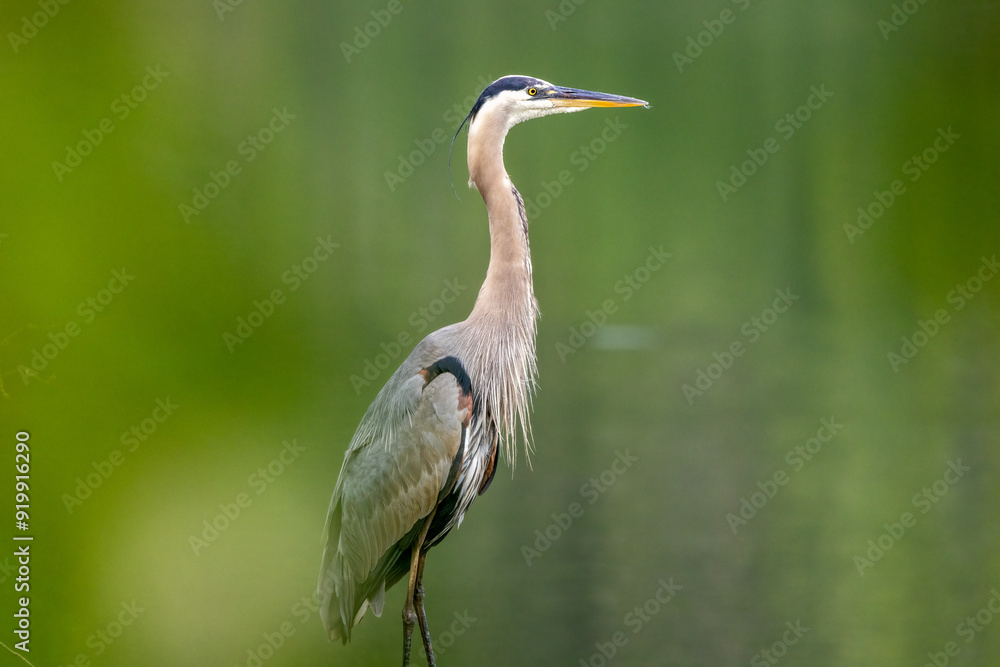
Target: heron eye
(532,91)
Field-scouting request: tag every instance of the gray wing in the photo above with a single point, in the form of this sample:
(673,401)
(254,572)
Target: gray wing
(394,473)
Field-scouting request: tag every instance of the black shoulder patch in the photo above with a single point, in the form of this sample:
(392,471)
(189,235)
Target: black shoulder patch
(451,365)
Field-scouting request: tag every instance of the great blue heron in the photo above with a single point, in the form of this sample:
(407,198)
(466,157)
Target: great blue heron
(427,446)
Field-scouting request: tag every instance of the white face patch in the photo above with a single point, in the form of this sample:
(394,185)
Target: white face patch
(510,107)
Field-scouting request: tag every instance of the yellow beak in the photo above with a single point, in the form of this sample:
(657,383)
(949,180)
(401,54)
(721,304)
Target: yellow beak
(571,97)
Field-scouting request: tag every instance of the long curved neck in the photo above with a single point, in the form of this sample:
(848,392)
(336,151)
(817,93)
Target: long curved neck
(502,322)
(507,294)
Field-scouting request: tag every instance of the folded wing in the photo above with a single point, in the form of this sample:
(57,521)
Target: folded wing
(402,461)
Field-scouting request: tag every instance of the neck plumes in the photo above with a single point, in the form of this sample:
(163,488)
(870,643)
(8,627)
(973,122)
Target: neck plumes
(503,318)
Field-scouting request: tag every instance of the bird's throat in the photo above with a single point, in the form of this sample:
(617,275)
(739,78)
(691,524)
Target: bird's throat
(507,294)
(502,322)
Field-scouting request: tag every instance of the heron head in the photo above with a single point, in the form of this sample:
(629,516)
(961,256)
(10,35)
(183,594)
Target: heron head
(512,99)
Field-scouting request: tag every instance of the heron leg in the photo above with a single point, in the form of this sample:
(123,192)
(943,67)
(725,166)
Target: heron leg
(418,598)
(416,571)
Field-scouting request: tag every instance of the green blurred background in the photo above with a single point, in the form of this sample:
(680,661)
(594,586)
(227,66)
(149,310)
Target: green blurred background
(212,77)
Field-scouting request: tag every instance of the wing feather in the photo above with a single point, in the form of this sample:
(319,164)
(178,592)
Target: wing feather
(391,479)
